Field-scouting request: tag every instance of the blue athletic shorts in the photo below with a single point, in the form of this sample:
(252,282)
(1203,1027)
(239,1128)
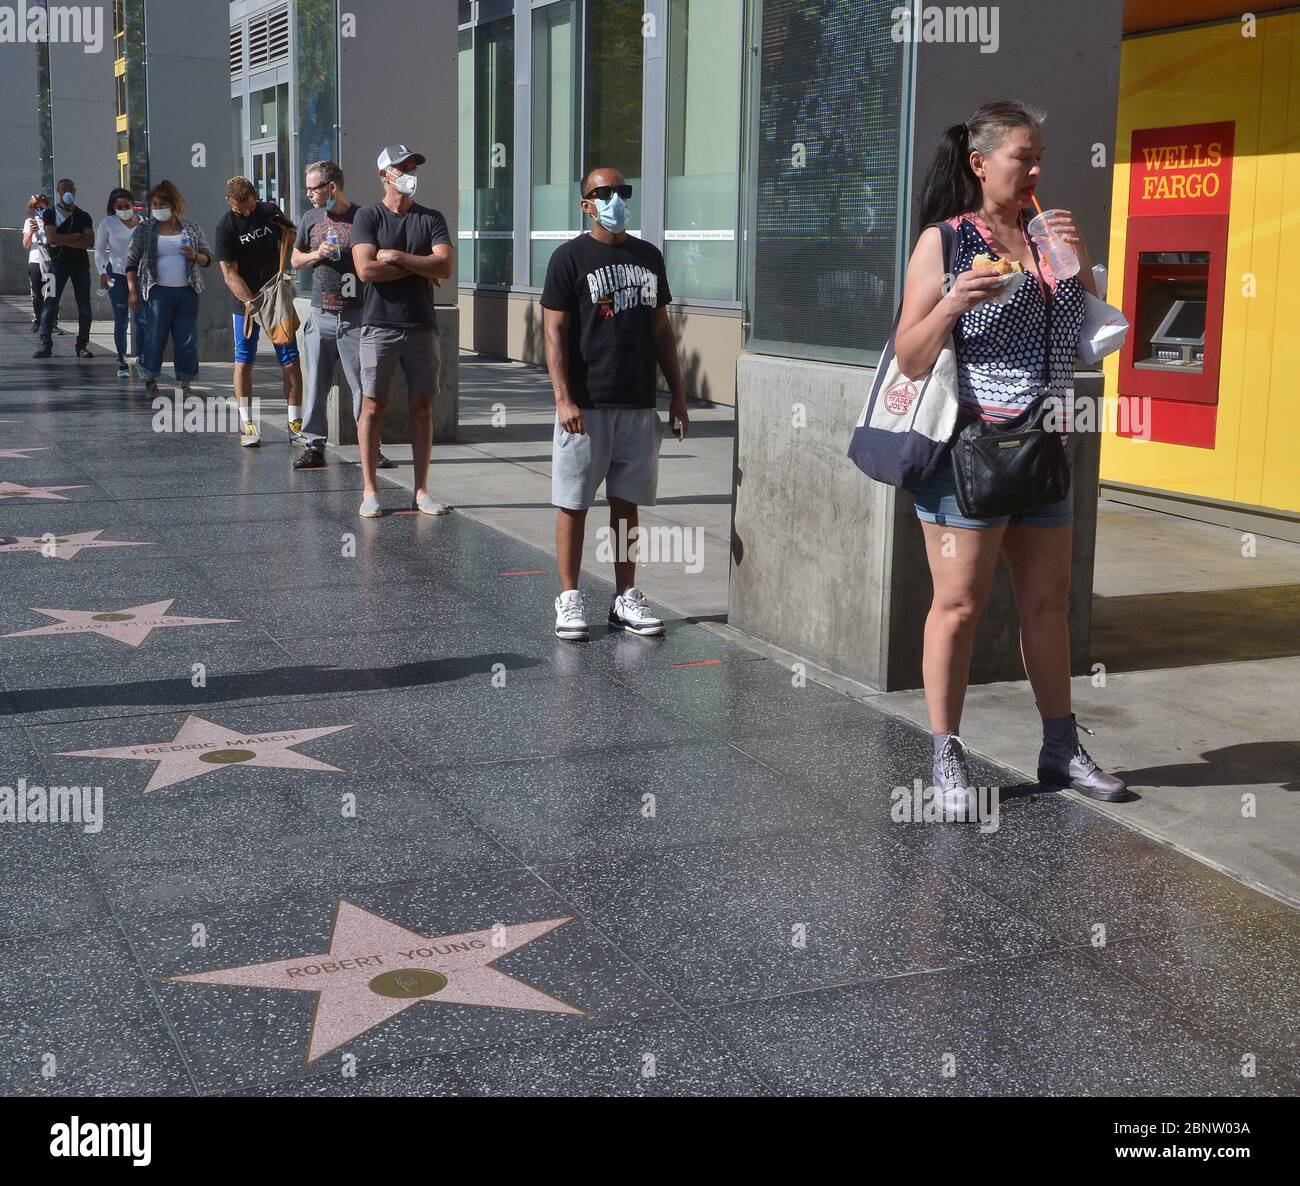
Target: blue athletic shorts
(936,502)
(246,348)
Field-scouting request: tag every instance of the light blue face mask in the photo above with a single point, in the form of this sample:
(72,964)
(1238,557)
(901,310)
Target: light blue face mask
(612,215)
(331,203)
(69,197)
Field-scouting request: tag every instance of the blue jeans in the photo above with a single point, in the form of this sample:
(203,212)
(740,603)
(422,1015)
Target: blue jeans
(80,277)
(173,311)
(118,296)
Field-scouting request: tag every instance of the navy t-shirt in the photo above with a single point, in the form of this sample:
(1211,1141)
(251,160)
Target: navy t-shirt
(613,291)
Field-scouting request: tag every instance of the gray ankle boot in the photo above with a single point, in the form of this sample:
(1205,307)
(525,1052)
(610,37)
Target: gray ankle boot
(951,779)
(1063,762)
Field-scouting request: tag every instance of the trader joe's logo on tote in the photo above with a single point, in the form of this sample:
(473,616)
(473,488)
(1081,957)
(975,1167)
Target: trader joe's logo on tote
(900,397)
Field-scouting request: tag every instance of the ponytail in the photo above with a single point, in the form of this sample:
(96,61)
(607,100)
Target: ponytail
(950,188)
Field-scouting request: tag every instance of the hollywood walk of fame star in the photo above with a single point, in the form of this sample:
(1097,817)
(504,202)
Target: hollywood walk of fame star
(17,490)
(202,747)
(64,547)
(131,625)
(375,969)
(21,454)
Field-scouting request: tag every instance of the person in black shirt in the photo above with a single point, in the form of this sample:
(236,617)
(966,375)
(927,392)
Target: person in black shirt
(248,243)
(70,232)
(605,312)
(401,250)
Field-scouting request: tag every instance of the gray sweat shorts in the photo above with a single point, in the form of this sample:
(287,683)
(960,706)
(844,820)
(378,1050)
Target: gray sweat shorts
(619,448)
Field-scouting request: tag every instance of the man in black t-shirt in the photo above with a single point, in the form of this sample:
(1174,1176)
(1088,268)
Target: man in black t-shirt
(69,231)
(248,241)
(605,312)
(401,250)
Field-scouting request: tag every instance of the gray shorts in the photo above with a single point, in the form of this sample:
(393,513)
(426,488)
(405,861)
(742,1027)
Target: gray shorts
(619,448)
(383,348)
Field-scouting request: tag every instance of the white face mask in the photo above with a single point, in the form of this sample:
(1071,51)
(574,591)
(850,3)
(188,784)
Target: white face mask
(405,183)
(161,213)
(125,215)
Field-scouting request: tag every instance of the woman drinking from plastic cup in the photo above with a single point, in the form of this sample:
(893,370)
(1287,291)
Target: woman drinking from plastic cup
(982,183)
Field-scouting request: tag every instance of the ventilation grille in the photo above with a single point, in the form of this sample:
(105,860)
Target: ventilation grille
(268,38)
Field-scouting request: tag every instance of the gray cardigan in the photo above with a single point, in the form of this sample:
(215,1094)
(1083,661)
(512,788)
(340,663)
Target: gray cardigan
(142,255)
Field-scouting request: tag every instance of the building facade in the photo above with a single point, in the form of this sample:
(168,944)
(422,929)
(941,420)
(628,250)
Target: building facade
(654,88)
(1206,204)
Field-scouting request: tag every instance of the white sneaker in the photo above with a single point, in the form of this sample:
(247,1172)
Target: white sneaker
(571,616)
(250,437)
(631,611)
(295,431)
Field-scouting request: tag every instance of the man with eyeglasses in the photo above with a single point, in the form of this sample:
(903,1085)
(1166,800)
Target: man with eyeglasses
(69,233)
(402,250)
(605,312)
(332,332)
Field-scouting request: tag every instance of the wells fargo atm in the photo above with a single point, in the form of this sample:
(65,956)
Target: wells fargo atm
(1180,182)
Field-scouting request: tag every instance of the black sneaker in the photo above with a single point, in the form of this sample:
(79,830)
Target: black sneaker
(385,463)
(43,352)
(313,457)
(82,352)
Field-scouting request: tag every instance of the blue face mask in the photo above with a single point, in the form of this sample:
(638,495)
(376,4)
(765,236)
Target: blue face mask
(612,215)
(331,203)
(69,198)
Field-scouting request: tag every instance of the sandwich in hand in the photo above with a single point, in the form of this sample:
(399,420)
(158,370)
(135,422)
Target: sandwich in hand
(1003,267)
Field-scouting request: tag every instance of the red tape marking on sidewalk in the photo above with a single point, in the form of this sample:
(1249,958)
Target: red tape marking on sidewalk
(700,663)
(526,572)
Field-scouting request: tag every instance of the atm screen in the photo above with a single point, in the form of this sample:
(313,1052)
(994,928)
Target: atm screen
(1184,324)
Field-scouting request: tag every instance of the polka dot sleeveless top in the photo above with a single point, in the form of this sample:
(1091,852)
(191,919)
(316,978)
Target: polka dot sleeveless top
(1000,348)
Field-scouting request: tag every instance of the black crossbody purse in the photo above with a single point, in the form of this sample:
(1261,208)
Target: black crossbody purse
(1013,466)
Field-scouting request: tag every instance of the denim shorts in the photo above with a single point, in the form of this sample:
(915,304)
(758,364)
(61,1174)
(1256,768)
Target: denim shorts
(936,502)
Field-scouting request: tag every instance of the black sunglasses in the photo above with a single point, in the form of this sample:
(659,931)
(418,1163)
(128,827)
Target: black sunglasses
(603,192)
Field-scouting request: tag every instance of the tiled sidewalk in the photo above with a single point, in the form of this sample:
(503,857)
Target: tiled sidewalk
(362,812)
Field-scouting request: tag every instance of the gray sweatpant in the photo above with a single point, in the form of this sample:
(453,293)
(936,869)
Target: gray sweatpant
(331,341)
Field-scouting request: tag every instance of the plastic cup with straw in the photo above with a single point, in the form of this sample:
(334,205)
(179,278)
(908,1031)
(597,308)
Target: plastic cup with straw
(1061,257)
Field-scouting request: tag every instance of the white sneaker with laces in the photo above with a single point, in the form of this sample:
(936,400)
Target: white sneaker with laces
(630,611)
(250,437)
(571,616)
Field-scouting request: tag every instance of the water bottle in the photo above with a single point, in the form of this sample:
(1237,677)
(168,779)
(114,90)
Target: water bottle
(185,239)
(332,241)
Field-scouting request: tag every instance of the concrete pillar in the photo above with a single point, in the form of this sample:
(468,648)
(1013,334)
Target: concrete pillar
(342,426)
(397,85)
(84,107)
(20,138)
(188,78)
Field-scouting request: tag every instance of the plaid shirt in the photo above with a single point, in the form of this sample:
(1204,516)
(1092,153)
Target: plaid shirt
(142,255)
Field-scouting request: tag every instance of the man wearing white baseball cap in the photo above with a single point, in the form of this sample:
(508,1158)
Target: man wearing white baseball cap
(401,250)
